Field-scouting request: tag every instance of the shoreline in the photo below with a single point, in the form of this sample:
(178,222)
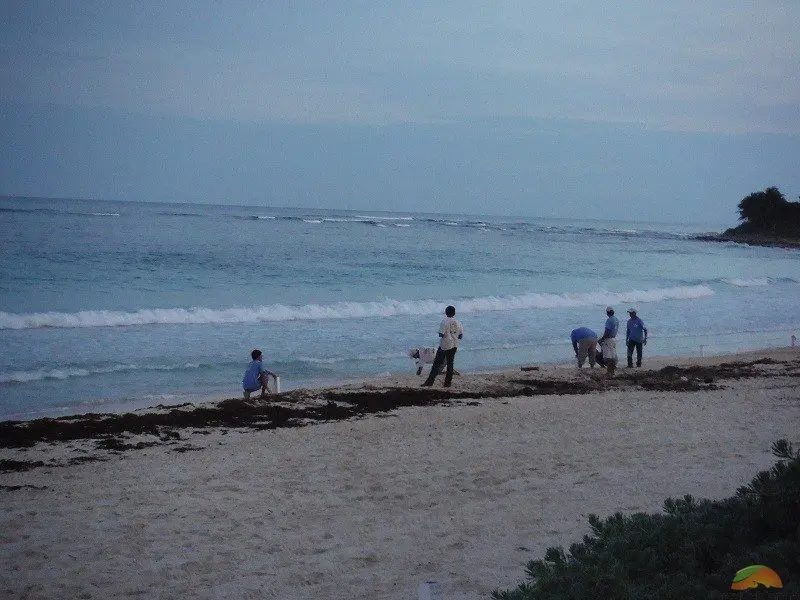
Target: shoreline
(500,382)
(380,393)
(366,490)
(401,378)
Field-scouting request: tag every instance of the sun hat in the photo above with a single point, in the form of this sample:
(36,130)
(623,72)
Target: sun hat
(631,310)
(609,309)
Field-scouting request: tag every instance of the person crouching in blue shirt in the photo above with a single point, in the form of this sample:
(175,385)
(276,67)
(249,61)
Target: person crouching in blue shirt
(635,337)
(256,376)
(584,343)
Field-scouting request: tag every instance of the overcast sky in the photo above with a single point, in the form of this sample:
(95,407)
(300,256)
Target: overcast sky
(650,110)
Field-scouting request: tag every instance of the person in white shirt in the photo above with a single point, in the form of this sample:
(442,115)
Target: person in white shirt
(450,334)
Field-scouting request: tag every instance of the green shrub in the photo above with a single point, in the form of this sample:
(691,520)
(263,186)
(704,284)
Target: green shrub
(692,550)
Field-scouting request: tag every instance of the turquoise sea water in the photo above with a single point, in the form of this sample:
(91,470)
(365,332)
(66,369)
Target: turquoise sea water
(111,306)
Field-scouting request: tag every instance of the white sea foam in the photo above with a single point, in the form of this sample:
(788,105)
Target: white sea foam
(758,281)
(377,221)
(63,373)
(338,310)
(384,218)
(528,301)
(350,358)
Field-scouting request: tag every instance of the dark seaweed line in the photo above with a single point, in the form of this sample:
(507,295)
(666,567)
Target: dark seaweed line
(339,405)
(225,414)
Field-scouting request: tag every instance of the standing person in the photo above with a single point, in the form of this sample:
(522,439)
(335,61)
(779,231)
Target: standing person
(609,343)
(635,337)
(256,376)
(450,334)
(584,343)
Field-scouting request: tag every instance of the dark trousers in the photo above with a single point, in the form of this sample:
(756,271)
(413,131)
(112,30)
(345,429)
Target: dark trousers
(442,356)
(631,346)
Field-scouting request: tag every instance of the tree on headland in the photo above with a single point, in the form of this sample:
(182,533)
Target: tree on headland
(768,219)
(768,213)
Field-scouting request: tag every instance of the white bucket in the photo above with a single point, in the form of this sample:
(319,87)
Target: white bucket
(430,590)
(277,389)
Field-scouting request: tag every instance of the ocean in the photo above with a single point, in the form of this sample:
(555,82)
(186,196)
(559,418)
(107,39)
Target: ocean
(112,306)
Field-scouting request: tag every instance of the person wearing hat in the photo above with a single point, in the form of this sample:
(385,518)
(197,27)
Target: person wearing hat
(608,342)
(635,337)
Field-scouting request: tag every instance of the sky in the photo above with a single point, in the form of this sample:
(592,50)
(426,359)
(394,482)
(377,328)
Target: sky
(639,110)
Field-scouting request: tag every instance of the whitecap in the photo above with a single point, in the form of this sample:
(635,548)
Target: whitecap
(339,310)
(758,281)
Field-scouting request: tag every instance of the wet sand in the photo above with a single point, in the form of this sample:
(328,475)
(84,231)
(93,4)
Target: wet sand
(364,491)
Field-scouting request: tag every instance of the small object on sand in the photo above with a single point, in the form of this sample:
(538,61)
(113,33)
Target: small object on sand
(430,590)
(529,368)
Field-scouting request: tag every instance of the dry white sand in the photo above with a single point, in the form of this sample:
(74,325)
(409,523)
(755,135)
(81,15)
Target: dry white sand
(369,508)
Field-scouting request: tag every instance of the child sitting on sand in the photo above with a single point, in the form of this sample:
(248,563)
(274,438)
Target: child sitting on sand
(256,376)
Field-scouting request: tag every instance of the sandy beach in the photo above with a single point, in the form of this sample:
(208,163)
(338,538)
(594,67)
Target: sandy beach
(366,491)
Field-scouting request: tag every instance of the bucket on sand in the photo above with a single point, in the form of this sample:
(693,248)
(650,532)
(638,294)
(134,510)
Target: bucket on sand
(277,386)
(430,590)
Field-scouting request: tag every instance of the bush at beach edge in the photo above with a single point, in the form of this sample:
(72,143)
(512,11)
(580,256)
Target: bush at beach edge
(692,550)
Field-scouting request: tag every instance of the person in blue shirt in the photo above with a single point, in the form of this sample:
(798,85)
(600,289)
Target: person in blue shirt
(635,337)
(256,376)
(584,343)
(608,341)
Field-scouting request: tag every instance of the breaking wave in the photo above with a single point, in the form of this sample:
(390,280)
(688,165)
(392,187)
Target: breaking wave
(338,310)
(758,281)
